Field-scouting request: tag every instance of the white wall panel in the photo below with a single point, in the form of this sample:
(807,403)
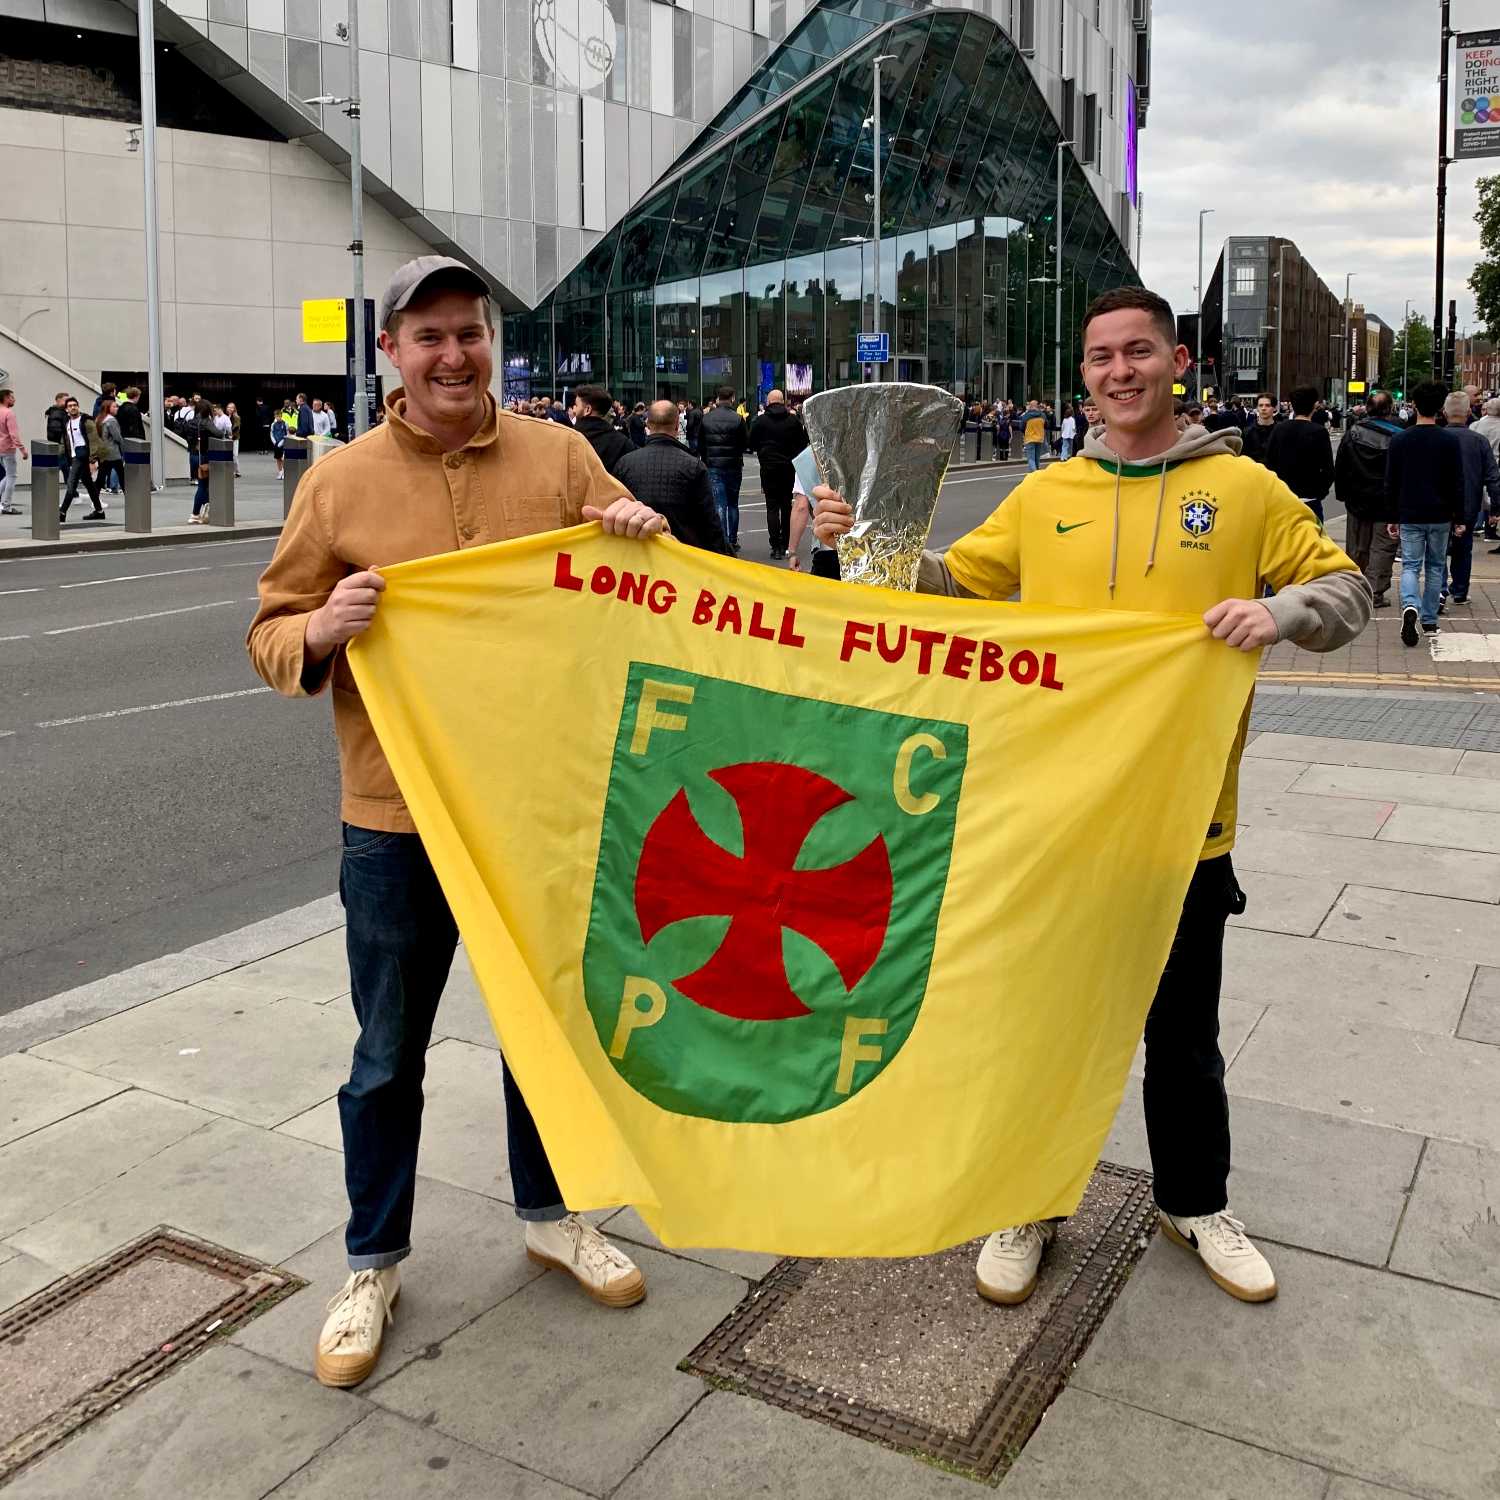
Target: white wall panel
(662,90)
(437,138)
(466,35)
(595,200)
(569,161)
(468,185)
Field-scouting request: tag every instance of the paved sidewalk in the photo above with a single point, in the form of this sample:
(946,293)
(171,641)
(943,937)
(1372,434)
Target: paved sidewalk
(1362,1027)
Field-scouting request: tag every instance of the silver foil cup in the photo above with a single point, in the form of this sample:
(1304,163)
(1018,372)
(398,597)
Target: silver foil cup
(885,449)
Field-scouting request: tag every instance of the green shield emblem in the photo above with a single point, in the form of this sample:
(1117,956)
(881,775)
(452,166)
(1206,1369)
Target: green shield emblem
(766,899)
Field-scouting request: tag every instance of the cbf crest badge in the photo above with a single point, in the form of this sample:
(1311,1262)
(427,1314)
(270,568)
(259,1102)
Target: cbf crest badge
(1198,513)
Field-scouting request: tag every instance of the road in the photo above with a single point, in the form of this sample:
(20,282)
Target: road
(153,794)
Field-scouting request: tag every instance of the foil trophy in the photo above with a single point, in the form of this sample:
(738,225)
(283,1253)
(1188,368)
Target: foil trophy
(885,449)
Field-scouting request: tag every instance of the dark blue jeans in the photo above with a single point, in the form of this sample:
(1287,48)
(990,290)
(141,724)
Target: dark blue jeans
(725,484)
(401,939)
(1460,563)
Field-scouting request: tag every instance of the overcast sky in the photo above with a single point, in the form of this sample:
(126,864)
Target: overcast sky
(1313,119)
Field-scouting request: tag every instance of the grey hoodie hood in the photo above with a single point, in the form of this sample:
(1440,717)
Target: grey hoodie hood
(1194,443)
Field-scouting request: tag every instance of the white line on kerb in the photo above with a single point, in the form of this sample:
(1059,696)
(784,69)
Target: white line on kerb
(36,590)
(15,637)
(91,583)
(148,708)
(158,614)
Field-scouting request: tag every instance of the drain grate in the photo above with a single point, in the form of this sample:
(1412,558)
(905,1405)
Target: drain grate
(924,1365)
(82,1345)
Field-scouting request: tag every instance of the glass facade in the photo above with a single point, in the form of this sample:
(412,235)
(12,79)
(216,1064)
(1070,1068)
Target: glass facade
(753,264)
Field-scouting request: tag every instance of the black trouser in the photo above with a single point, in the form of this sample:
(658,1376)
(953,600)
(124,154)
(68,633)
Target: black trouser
(79,469)
(825,563)
(776,484)
(1187,1110)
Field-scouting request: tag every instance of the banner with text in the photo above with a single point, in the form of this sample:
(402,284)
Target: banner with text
(813,920)
(1476,95)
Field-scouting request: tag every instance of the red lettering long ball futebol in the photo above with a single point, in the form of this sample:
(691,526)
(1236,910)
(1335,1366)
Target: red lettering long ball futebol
(923,651)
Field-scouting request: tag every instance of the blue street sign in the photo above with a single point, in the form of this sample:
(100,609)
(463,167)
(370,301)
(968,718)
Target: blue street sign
(873,348)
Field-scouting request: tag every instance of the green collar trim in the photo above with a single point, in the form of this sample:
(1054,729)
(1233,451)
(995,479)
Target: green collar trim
(1136,471)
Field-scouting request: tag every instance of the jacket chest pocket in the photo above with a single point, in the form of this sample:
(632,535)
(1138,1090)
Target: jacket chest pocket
(525,515)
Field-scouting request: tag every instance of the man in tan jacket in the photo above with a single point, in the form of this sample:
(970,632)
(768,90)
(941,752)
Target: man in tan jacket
(445,470)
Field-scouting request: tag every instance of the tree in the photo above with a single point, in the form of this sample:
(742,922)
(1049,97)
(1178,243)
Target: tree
(1485,281)
(1419,365)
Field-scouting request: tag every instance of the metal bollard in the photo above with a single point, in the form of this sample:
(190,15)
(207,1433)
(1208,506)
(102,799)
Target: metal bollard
(46,470)
(136,453)
(220,482)
(296,459)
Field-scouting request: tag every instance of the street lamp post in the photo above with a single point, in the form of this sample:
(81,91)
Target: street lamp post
(1405,345)
(1057,278)
(350,107)
(1198,366)
(883,57)
(1348,351)
(155,399)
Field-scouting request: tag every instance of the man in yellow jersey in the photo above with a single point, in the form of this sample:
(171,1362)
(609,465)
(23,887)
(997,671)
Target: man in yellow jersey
(1156,521)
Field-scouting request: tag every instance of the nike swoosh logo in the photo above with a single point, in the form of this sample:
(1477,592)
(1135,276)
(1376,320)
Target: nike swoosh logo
(1064,530)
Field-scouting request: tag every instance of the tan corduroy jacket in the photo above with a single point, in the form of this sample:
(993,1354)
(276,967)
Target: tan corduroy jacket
(392,495)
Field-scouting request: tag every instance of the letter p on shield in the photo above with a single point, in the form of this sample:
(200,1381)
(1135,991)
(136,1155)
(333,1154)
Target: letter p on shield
(648,716)
(632,1017)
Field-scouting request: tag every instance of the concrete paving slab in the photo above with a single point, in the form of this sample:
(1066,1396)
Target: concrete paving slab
(1285,903)
(60,1014)
(468,1256)
(1304,1375)
(34,1093)
(222,1046)
(1348,816)
(62,1163)
(1443,828)
(1259,778)
(317,970)
(552,1380)
(1383,1075)
(256,940)
(462,1013)
(1400,922)
(1394,867)
(1481,1017)
(249,1190)
(1300,1178)
(387,1455)
(1237,1019)
(627,1224)
(1342,1488)
(463,1122)
(1324,750)
(1451,1232)
(1410,788)
(21,1275)
(1484,764)
(734,1446)
(1088,1446)
(1397,989)
(227,1425)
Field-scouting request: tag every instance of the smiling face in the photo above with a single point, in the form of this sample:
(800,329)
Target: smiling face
(443,348)
(1129,366)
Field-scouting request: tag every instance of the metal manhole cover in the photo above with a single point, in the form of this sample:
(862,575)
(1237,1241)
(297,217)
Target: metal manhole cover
(82,1345)
(904,1352)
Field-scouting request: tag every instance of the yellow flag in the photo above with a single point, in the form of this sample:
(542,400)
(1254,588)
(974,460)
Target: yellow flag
(812,919)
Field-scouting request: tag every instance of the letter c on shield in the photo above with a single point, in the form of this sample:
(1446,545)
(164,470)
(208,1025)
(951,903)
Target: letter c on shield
(915,803)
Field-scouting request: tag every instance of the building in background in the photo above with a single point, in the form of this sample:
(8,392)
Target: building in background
(1476,362)
(1274,308)
(609,166)
(1372,345)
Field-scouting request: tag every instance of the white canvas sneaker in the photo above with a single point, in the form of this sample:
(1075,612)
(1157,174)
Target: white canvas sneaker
(601,1268)
(350,1341)
(1006,1272)
(1220,1242)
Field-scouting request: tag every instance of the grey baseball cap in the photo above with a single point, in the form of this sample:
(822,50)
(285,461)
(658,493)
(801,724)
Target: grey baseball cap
(408,279)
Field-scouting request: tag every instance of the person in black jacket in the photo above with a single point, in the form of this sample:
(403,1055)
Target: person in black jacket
(128,414)
(665,476)
(591,416)
(77,438)
(1300,454)
(1257,436)
(776,438)
(1424,476)
(56,417)
(635,426)
(722,440)
(1359,477)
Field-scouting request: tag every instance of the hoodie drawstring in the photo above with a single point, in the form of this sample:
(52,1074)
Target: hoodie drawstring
(1161,498)
(1114,541)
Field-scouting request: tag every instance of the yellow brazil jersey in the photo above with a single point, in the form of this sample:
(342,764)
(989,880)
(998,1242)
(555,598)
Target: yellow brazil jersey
(1191,534)
(1036,430)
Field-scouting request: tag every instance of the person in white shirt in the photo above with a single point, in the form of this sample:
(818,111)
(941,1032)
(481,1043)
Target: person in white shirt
(1069,433)
(824,562)
(323,423)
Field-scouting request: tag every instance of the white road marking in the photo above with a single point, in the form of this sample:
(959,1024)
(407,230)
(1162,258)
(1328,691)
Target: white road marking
(157,614)
(15,637)
(148,708)
(91,583)
(36,590)
(1456,646)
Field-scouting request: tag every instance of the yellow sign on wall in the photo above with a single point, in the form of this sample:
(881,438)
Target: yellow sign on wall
(323,320)
(1356,386)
